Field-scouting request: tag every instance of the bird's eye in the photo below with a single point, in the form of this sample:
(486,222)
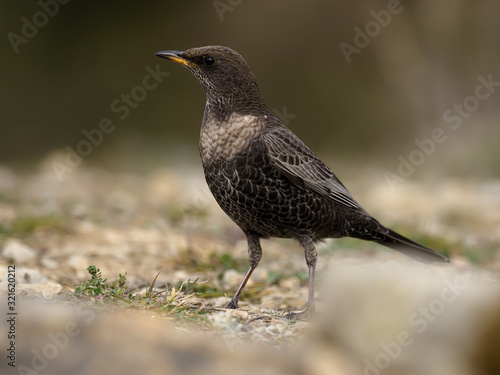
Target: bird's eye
(208,60)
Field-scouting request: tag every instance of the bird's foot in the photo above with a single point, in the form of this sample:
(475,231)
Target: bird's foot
(232,305)
(307,313)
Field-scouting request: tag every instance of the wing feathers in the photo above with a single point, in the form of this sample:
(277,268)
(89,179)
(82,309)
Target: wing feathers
(303,168)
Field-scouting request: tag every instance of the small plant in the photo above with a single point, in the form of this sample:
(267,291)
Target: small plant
(97,286)
(165,301)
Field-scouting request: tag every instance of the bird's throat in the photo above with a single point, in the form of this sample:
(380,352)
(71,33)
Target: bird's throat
(223,138)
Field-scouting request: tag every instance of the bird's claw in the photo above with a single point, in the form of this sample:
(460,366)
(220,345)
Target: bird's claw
(307,313)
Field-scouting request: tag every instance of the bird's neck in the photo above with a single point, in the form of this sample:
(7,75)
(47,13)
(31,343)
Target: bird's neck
(220,107)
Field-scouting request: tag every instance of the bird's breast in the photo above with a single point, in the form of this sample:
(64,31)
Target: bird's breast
(225,140)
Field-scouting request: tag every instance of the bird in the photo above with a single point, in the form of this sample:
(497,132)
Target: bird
(265,178)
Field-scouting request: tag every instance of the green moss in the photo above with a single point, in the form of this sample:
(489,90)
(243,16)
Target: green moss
(480,256)
(25,225)
(206,290)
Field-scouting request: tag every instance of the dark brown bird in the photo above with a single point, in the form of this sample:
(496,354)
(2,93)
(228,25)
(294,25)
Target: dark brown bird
(265,178)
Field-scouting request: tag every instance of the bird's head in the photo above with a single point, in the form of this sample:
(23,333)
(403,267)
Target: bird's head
(223,73)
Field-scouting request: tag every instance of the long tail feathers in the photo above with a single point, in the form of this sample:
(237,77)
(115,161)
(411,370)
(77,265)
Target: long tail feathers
(412,249)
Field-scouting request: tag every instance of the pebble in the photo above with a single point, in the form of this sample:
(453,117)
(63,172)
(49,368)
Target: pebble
(239,314)
(218,301)
(231,279)
(259,275)
(45,290)
(78,262)
(31,283)
(18,251)
(292,283)
(29,276)
(49,263)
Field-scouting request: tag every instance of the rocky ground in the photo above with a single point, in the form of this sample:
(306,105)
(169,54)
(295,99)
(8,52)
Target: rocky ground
(164,231)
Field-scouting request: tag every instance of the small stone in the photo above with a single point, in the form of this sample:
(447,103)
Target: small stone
(258,276)
(29,276)
(44,290)
(17,251)
(231,279)
(292,283)
(29,292)
(239,314)
(49,263)
(218,301)
(78,262)
(31,283)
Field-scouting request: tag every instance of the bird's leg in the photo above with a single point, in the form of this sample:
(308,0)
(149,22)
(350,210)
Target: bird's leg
(310,300)
(233,304)
(254,255)
(311,258)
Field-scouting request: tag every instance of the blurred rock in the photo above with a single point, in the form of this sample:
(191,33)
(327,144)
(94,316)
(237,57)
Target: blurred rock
(49,263)
(79,340)
(404,318)
(45,290)
(291,283)
(218,301)
(30,282)
(484,358)
(231,279)
(259,275)
(29,276)
(79,263)
(18,251)
(241,315)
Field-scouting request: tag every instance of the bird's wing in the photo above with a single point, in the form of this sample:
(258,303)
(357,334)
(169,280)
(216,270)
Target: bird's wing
(303,168)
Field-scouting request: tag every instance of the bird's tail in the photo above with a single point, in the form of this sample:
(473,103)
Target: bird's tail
(406,246)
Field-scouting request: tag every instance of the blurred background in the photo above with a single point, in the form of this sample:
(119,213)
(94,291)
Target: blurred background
(63,67)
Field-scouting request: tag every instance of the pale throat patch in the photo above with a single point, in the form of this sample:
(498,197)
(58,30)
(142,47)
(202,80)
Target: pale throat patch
(225,140)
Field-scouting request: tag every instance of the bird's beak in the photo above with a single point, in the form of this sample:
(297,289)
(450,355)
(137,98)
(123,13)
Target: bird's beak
(174,56)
